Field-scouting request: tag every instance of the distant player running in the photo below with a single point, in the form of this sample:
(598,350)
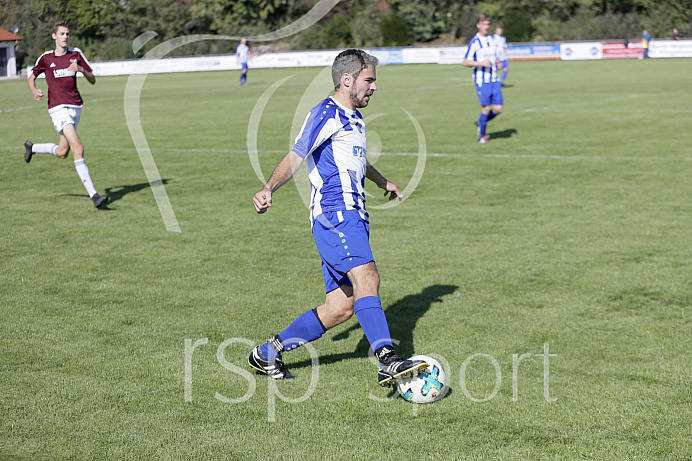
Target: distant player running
(501,43)
(484,57)
(64,104)
(241,53)
(332,143)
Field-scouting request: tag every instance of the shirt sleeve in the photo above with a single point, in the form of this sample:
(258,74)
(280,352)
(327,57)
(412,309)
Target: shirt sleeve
(471,50)
(83,62)
(319,126)
(40,67)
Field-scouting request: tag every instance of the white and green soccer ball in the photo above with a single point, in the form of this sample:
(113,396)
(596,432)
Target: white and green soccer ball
(428,386)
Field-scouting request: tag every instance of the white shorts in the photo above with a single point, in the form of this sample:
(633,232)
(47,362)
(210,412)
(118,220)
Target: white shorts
(65,115)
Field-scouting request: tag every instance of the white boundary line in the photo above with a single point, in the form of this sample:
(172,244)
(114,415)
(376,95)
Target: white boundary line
(244,152)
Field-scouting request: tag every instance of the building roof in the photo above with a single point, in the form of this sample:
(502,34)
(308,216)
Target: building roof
(7,36)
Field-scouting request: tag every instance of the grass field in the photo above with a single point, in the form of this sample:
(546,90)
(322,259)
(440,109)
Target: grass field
(568,235)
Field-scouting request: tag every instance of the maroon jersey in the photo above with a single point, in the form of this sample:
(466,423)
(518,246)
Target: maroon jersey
(62,83)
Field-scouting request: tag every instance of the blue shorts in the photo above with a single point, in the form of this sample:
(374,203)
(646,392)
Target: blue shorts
(490,94)
(244,66)
(343,241)
(505,64)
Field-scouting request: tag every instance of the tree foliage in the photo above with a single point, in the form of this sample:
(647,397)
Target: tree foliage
(105,29)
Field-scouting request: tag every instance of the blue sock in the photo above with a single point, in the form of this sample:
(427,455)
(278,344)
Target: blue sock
(491,115)
(483,123)
(373,321)
(304,329)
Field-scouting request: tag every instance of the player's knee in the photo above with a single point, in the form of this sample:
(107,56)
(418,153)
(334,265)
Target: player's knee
(368,283)
(345,313)
(497,110)
(78,152)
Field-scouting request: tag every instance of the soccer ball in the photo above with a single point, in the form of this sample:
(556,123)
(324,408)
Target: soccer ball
(428,386)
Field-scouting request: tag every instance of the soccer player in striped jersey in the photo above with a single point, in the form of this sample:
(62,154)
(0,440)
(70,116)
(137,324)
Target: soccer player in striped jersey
(483,56)
(332,142)
(501,43)
(64,104)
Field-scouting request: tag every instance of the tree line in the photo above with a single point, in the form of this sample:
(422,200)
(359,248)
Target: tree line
(105,29)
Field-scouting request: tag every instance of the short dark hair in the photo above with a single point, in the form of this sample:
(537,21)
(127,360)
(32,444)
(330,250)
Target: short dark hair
(61,23)
(484,17)
(351,61)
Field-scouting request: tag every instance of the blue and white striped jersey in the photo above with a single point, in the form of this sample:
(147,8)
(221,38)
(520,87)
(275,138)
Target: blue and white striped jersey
(501,44)
(480,49)
(332,141)
(241,51)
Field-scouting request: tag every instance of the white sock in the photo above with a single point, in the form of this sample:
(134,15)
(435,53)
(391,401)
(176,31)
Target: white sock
(83,172)
(45,148)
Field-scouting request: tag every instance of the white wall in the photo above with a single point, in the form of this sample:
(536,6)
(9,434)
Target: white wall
(11,59)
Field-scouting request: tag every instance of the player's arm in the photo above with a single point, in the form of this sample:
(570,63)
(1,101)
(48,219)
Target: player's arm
(389,187)
(91,78)
(37,93)
(74,67)
(283,173)
(473,63)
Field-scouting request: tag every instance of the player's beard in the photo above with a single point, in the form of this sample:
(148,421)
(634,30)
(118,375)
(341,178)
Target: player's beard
(359,102)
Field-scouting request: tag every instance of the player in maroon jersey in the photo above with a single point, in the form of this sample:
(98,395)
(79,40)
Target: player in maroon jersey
(64,104)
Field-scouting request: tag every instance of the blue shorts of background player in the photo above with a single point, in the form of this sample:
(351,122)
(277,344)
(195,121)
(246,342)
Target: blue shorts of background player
(490,94)
(343,242)
(244,66)
(505,68)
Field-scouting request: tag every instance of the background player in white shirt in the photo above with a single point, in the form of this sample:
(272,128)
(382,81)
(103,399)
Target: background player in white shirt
(241,53)
(501,43)
(332,143)
(64,104)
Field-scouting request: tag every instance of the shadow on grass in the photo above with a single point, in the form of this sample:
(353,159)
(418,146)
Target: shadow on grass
(117,192)
(402,317)
(502,134)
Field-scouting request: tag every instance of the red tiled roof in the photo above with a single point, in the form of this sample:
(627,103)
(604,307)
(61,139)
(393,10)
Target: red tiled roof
(7,36)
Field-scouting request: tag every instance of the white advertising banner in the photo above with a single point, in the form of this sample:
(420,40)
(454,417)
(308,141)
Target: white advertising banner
(577,51)
(421,55)
(413,55)
(670,48)
(209,63)
(452,55)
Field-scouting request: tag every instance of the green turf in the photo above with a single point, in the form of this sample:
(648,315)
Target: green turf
(570,229)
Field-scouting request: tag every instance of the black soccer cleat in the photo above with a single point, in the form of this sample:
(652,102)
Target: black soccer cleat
(100,201)
(28,154)
(393,368)
(273,368)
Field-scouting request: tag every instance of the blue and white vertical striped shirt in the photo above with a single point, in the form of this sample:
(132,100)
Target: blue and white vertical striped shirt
(241,51)
(332,140)
(501,44)
(480,49)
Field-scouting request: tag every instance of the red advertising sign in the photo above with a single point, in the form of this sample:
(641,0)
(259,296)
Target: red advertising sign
(622,50)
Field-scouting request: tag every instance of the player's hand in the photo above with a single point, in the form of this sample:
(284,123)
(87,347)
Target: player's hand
(394,191)
(38,94)
(486,63)
(73,67)
(262,200)
(499,65)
